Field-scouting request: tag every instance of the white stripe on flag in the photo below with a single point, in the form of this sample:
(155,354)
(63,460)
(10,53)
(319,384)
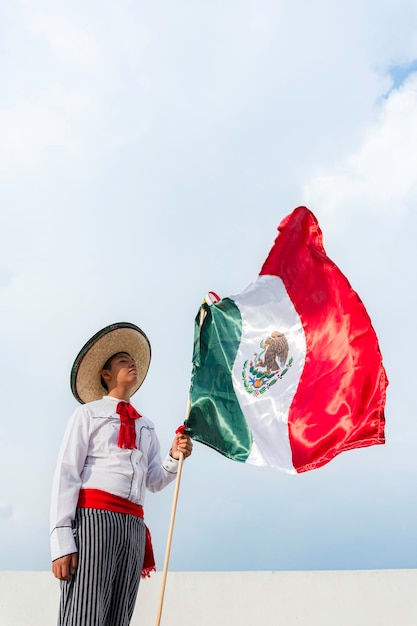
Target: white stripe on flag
(265,308)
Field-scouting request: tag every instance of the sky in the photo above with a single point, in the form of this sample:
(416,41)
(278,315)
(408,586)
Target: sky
(148,153)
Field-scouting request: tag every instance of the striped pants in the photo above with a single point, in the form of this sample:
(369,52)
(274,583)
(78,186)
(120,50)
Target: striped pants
(103,590)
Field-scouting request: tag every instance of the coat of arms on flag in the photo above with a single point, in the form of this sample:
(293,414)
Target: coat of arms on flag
(288,373)
(264,369)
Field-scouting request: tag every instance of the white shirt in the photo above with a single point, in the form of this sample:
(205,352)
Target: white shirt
(90,458)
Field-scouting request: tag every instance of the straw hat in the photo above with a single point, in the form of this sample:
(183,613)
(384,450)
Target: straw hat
(121,337)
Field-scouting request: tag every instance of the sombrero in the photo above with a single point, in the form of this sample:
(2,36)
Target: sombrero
(121,337)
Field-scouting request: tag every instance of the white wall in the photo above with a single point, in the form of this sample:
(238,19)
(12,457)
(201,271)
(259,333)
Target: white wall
(338,598)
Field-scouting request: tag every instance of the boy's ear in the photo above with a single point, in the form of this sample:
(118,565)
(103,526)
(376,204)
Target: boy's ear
(105,374)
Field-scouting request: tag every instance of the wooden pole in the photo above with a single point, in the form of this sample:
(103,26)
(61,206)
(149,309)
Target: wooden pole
(174,510)
(170,531)
(169,541)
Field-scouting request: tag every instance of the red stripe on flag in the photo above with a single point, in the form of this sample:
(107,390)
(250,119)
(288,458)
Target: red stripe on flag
(339,403)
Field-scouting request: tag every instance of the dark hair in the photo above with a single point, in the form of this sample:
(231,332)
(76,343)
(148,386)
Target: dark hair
(107,366)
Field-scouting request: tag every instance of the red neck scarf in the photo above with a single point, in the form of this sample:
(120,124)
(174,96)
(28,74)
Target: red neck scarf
(127,432)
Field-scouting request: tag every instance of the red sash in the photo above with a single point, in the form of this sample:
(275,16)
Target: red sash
(98,499)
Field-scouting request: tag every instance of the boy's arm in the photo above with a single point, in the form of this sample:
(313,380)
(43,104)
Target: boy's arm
(66,484)
(160,473)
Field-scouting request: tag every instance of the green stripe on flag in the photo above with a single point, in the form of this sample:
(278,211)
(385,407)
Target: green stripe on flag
(215,417)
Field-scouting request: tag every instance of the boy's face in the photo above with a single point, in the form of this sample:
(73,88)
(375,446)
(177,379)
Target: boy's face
(123,371)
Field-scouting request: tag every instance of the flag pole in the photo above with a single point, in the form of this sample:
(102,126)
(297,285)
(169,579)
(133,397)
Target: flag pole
(174,509)
(170,531)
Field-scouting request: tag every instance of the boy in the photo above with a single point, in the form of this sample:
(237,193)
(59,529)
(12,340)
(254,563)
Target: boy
(109,456)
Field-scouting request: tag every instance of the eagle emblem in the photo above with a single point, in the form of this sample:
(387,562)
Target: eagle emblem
(268,366)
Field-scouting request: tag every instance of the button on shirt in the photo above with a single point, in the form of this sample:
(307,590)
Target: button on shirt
(90,458)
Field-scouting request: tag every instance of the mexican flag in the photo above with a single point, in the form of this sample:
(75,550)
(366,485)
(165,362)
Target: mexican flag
(288,373)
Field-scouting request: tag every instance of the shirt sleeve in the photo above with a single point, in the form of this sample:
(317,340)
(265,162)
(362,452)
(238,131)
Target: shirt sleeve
(159,473)
(67,482)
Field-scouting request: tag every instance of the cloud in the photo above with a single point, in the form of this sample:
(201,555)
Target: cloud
(69,42)
(382,171)
(37,123)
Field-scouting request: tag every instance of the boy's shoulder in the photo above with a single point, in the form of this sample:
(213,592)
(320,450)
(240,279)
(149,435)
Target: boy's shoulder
(146,422)
(105,407)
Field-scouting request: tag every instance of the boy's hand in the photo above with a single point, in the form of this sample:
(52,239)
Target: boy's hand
(182,443)
(64,567)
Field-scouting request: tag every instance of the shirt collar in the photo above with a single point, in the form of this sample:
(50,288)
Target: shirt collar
(113,399)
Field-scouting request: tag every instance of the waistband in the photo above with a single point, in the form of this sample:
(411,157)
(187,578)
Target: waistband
(98,499)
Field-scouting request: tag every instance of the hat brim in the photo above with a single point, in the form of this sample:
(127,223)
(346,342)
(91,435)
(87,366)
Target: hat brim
(121,337)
